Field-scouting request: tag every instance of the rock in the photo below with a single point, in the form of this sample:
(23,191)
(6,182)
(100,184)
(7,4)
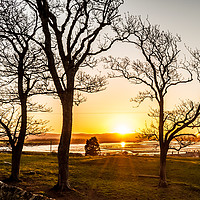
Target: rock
(8,163)
(14,193)
(32,173)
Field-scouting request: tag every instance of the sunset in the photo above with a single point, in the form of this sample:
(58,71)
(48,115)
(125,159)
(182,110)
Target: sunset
(100,99)
(122,129)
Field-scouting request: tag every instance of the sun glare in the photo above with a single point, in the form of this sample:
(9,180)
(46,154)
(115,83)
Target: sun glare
(122,129)
(123,144)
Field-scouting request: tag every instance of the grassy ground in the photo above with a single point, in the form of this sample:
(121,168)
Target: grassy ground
(113,177)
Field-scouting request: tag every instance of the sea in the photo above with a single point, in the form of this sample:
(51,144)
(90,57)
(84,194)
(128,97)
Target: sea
(148,148)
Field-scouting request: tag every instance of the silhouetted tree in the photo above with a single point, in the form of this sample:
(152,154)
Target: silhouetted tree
(10,123)
(184,117)
(195,61)
(70,30)
(22,70)
(159,71)
(92,147)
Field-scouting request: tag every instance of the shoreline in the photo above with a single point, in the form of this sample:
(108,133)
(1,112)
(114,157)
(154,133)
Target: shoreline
(141,154)
(145,148)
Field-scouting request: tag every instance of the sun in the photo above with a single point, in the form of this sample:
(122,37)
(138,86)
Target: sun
(122,129)
(123,144)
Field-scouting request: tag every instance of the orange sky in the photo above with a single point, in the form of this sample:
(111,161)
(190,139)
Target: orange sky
(111,111)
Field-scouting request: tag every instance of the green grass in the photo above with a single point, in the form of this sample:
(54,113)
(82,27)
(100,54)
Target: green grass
(113,177)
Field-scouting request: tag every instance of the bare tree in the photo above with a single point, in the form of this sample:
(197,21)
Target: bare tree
(176,125)
(22,69)
(10,123)
(159,71)
(195,61)
(74,26)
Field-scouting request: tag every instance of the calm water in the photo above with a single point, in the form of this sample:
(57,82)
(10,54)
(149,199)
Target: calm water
(142,148)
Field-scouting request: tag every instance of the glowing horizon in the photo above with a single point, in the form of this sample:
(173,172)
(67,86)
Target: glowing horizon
(122,129)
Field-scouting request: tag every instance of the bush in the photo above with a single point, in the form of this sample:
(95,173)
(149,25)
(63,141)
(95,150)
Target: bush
(92,147)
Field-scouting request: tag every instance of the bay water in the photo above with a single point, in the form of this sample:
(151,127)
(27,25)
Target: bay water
(140,148)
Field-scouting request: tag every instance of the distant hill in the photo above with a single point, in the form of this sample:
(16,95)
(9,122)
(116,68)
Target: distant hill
(80,138)
(107,137)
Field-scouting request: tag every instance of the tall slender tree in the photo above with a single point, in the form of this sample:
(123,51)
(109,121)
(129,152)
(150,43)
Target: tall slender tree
(159,71)
(75,27)
(22,68)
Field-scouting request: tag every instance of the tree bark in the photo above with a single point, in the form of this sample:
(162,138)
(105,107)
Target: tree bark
(163,145)
(16,158)
(17,150)
(163,156)
(63,149)
(161,121)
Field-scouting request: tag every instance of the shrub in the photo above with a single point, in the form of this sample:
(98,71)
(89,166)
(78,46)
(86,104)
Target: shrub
(92,147)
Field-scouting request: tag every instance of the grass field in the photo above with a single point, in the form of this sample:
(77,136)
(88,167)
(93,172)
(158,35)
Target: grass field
(112,177)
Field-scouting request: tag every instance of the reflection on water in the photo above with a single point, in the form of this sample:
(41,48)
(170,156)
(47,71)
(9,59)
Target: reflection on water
(140,148)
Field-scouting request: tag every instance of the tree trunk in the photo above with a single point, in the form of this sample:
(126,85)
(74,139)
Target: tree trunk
(163,145)
(17,150)
(63,149)
(16,158)
(163,156)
